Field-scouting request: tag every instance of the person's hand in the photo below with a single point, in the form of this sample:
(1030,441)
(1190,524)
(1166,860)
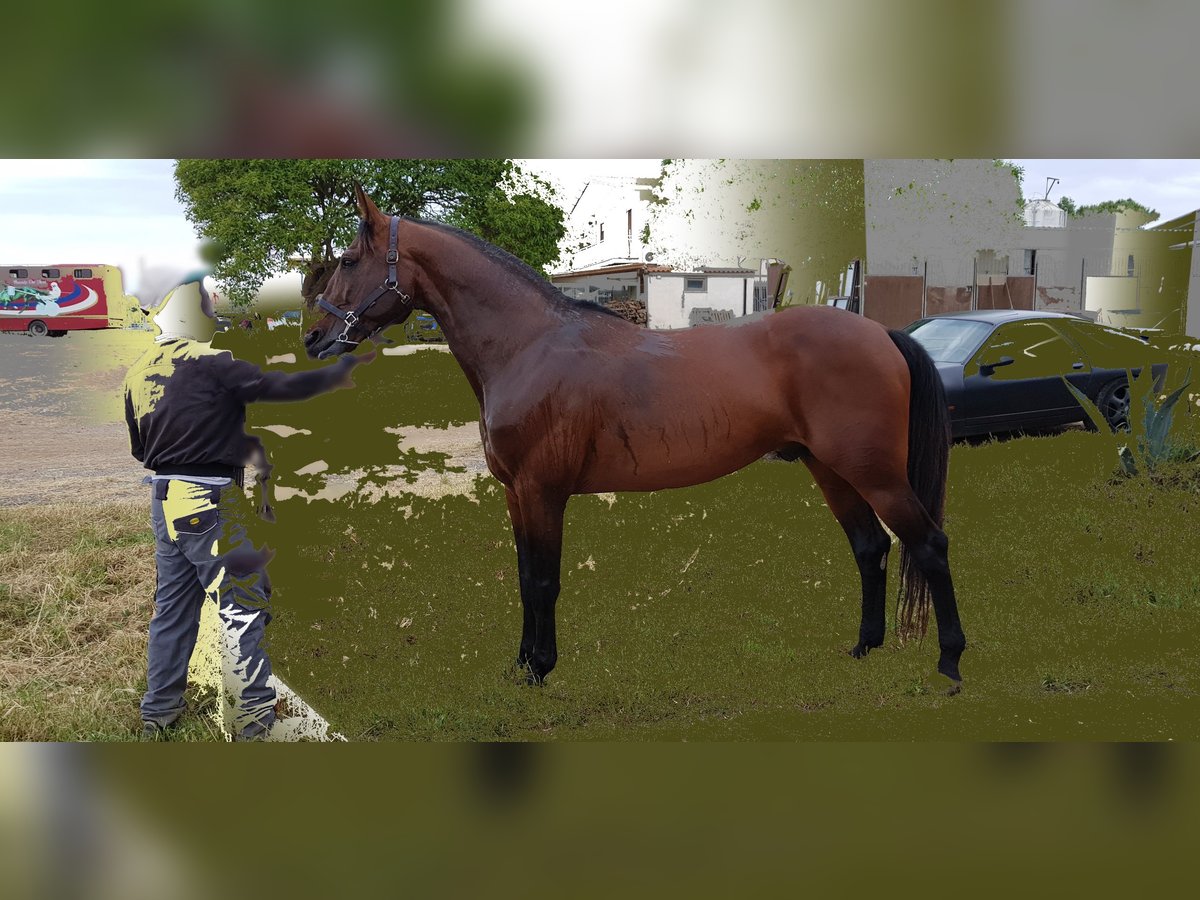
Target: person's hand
(347,362)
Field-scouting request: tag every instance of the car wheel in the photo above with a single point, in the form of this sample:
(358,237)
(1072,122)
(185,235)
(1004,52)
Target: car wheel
(1113,404)
(38,328)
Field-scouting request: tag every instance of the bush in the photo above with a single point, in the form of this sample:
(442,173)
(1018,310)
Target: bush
(1149,442)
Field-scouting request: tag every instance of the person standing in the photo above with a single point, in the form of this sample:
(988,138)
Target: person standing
(185,406)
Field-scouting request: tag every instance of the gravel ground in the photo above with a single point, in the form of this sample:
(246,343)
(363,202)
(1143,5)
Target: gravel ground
(51,447)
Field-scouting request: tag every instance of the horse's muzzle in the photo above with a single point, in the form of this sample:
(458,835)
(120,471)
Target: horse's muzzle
(313,345)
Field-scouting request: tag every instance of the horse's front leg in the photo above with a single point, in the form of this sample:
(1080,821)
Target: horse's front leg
(528,628)
(542,527)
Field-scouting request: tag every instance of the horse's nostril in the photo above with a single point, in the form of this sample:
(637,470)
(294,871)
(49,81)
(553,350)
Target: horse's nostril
(311,338)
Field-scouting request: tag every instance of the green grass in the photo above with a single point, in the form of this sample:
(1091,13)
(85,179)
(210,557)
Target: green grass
(718,612)
(724,612)
(76,593)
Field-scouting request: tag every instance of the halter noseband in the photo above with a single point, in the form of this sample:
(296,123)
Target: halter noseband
(390,284)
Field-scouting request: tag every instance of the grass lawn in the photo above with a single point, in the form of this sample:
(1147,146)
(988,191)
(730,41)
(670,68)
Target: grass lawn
(76,593)
(722,611)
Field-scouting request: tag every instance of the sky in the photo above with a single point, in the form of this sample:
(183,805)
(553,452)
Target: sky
(124,211)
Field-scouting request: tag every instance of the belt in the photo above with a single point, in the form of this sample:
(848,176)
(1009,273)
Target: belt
(215,470)
(160,486)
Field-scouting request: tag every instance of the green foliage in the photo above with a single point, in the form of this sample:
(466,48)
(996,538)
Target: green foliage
(271,215)
(1018,172)
(1108,206)
(1149,444)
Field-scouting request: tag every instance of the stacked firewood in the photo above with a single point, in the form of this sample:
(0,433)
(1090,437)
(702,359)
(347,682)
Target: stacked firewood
(633,310)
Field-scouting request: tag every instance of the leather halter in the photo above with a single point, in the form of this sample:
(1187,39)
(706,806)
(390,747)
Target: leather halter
(389,285)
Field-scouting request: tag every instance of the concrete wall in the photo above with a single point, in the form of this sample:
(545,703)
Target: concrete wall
(941,212)
(668,305)
(808,213)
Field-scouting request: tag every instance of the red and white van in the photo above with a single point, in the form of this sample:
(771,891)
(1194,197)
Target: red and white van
(52,300)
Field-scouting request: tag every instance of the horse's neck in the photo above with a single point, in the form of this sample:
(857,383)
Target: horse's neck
(488,313)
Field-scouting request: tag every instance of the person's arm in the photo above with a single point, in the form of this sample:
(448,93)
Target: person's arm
(252,384)
(135,436)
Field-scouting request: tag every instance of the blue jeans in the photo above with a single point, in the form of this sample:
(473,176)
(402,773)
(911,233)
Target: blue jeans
(202,552)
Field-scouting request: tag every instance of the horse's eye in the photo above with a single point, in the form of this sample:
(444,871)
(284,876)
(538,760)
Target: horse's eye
(347,262)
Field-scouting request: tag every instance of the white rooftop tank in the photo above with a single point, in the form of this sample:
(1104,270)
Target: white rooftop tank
(1044,214)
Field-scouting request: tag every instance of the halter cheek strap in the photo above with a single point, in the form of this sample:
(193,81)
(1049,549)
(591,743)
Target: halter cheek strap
(390,285)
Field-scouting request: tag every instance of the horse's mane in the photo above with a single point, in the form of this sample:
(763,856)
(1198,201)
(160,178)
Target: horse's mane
(510,263)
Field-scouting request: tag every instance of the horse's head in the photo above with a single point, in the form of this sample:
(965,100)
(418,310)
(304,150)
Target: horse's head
(371,289)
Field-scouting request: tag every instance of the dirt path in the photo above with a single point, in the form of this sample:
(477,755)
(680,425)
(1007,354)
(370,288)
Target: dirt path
(49,448)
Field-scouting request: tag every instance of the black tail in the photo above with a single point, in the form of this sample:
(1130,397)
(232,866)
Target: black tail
(928,463)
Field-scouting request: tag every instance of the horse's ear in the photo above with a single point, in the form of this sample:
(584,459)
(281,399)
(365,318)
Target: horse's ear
(367,210)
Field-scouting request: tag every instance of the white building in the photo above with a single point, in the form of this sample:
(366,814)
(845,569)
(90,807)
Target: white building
(674,299)
(606,224)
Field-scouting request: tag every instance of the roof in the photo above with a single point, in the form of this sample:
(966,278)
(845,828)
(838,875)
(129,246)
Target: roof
(75,265)
(1006,315)
(619,269)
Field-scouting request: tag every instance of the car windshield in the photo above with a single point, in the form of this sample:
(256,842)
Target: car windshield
(949,340)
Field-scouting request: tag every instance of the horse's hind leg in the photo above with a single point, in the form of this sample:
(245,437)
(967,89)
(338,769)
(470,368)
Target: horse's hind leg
(903,513)
(870,544)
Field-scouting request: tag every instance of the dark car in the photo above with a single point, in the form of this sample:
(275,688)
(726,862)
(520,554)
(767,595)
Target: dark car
(1004,369)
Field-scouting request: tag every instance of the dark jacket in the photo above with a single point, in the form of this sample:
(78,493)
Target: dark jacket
(185,405)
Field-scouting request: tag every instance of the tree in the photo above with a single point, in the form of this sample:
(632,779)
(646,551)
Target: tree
(1069,206)
(1118,206)
(272,215)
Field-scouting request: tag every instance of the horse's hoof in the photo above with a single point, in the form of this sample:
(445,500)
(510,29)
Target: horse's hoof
(522,671)
(955,688)
(862,648)
(949,668)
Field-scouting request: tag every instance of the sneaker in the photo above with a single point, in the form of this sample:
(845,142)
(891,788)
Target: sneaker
(152,731)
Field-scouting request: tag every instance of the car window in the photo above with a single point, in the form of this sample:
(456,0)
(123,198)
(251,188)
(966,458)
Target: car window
(949,340)
(1036,350)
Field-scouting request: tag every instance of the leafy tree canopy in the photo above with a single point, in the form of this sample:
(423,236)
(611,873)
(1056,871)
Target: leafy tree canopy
(1108,206)
(272,215)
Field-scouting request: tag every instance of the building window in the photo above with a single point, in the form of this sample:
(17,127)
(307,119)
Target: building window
(602,232)
(1129,267)
(49,273)
(694,284)
(83,273)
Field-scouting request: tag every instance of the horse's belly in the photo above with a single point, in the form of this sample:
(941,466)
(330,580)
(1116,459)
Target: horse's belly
(657,465)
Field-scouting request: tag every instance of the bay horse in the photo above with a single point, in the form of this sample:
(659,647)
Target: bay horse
(574,399)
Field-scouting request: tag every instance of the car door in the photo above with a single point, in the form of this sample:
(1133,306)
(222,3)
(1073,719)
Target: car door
(1016,378)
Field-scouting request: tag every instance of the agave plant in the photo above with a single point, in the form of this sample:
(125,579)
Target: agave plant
(1149,442)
